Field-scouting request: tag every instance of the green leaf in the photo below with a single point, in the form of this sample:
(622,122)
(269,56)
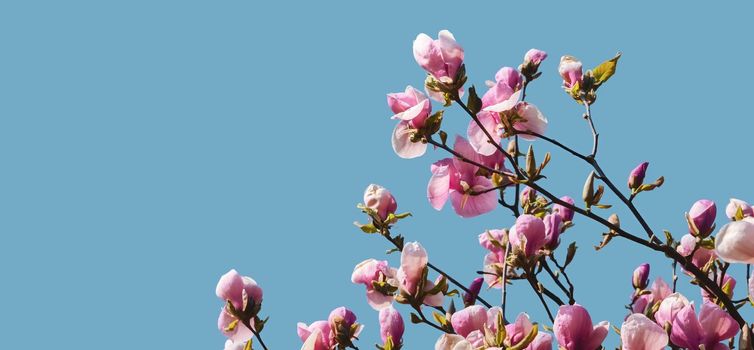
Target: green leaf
(433,123)
(605,70)
(526,341)
(439,318)
(248,345)
(366,228)
(474,103)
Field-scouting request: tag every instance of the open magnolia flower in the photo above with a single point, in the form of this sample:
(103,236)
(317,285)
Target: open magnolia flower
(735,241)
(639,333)
(411,108)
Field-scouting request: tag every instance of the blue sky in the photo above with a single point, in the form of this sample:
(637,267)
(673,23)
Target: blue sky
(150,146)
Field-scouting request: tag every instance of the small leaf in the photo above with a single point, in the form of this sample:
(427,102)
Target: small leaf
(526,341)
(443,137)
(248,345)
(605,70)
(433,123)
(366,228)
(439,318)
(391,251)
(415,318)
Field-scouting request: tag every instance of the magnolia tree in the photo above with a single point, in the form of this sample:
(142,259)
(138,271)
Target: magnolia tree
(488,168)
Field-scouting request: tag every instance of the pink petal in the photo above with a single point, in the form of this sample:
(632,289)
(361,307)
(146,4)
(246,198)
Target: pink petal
(402,144)
(506,105)
(439,184)
(717,324)
(469,206)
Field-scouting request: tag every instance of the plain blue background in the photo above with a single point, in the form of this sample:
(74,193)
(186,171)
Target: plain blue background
(149,146)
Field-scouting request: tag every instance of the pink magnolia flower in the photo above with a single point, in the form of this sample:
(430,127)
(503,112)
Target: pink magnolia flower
(492,261)
(640,277)
(639,333)
(528,234)
(316,336)
(570,71)
(728,284)
(702,255)
(469,319)
(711,327)
(751,289)
(341,321)
(412,108)
(380,200)
(391,325)
(235,345)
(234,288)
(669,309)
(734,242)
(565,213)
(518,330)
(413,262)
(703,213)
(531,119)
(452,342)
(574,330)
(497,235)
(553,225)
(452,178)
(659,291)
(369,271)
(636,178)
(442,57)
(534,57)
(732,208)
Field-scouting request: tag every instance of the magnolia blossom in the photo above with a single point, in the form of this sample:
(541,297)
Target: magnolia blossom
(734,242)
(570,71)
(474,288)
(391,325)
(728,284)
(369,271)
(470,319)
(534,57)
(732,208)
(751,289)
(701,256)
(574,330)
(528,234)
(553,226)
(702,214)
(412,108)
(413,262)
(441,57)
(316,336)
(469,193)
(565,213)
(452,342)
(324,335)
(530,119)
(659,291)
(518,330)
(639,333)
(669,308)
(494,259)
(235,345)
(713,326)
(380,200)
(234,288)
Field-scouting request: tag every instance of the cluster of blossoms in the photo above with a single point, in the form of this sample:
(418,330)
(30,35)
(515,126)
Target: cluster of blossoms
(484,168)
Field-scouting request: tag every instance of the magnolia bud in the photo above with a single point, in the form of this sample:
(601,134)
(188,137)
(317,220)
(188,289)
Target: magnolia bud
(570,71)
(636,178)
(614,219)
(702,215)
(528,196)
(565,213)
(380,200)
(531,163)
(553,224)
(588,193)
(474,288)
(391,325)
(534,57)
(641,276)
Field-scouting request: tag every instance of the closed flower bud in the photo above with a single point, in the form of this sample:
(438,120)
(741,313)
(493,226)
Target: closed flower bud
(732,208)
(636,178)
(588,193)
(641,276)
(565,213)
(380,200)
(391,325)
(614,219)
(553,224)
(474,288)
(574,329)
(534,57)
(570,71)
(528,196)
(702,214)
